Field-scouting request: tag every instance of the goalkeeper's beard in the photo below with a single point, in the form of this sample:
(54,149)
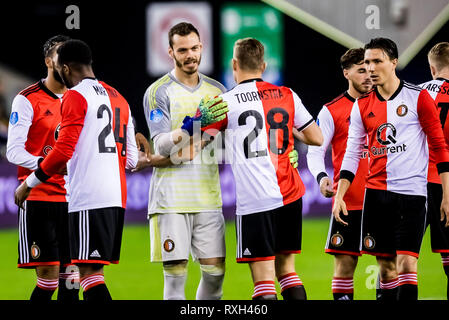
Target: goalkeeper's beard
(180,65)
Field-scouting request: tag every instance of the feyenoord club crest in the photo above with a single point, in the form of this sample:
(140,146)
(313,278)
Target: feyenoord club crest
(369,242)
(35,251)
(169,245)
(402,110)
(337,240)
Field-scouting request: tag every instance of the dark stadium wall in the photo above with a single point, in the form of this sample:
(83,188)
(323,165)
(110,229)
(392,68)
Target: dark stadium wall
(116,33)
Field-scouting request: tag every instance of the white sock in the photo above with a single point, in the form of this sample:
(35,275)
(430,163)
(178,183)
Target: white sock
(211,284)
(174,282)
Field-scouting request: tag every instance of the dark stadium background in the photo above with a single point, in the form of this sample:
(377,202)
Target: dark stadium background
(116,33)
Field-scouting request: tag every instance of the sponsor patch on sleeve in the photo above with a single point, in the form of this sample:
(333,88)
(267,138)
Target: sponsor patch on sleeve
(14,117)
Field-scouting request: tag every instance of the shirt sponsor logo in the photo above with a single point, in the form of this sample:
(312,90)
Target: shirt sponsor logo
(14,117)
(388,131)
(156,115)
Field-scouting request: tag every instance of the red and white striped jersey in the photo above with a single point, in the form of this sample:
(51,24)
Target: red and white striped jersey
(258,139)
(32,133)
(97,135)
(334,119)
(439,91)
(397,132)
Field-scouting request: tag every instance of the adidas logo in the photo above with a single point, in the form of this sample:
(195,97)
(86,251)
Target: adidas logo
(345,297)
(95,254)
(246,252)
(371,115)
(48,113)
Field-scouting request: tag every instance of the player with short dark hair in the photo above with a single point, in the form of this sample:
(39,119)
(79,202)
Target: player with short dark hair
(397,118)
(438,89)
(43,222)
(185,206)
(96,141)
(333,119)
(181,29)
(258,140)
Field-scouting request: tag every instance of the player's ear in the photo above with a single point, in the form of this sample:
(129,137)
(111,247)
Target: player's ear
(346,73)
(65,69)
(394,62)
(264,66)
(234,64)
(433,71)
(48,63)
(170,51)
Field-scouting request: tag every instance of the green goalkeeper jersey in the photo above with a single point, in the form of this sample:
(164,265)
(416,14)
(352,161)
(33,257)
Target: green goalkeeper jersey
(192,186)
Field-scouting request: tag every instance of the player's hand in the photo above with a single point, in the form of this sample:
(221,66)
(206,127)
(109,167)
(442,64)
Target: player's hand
(143,144)
(293,156)
(326,188)
(142,162)
(21,194)
(444,210)
(338,208)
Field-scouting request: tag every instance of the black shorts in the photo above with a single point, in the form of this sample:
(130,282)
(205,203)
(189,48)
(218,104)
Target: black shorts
(260,236)
(392,223)
(345,239)
(43,234)
(439,235)
(96,235)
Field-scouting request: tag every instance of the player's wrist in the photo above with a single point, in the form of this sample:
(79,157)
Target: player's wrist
(320,177)
(32,181)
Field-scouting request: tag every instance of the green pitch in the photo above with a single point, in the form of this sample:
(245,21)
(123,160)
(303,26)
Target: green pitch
(135,278)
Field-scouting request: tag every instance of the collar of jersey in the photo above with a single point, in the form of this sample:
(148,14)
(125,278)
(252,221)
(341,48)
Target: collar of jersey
(442,79)
(46,90)
(401,84)
(200,82)
(251,80)
(348,96)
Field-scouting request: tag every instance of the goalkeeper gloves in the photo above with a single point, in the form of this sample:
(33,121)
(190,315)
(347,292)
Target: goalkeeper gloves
(210,111)
(293,156)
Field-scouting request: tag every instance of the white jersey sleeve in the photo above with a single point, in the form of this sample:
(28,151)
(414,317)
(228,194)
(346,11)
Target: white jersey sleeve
(132,154)
(316,154)
(302,117)
(21,119)
(356,141)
